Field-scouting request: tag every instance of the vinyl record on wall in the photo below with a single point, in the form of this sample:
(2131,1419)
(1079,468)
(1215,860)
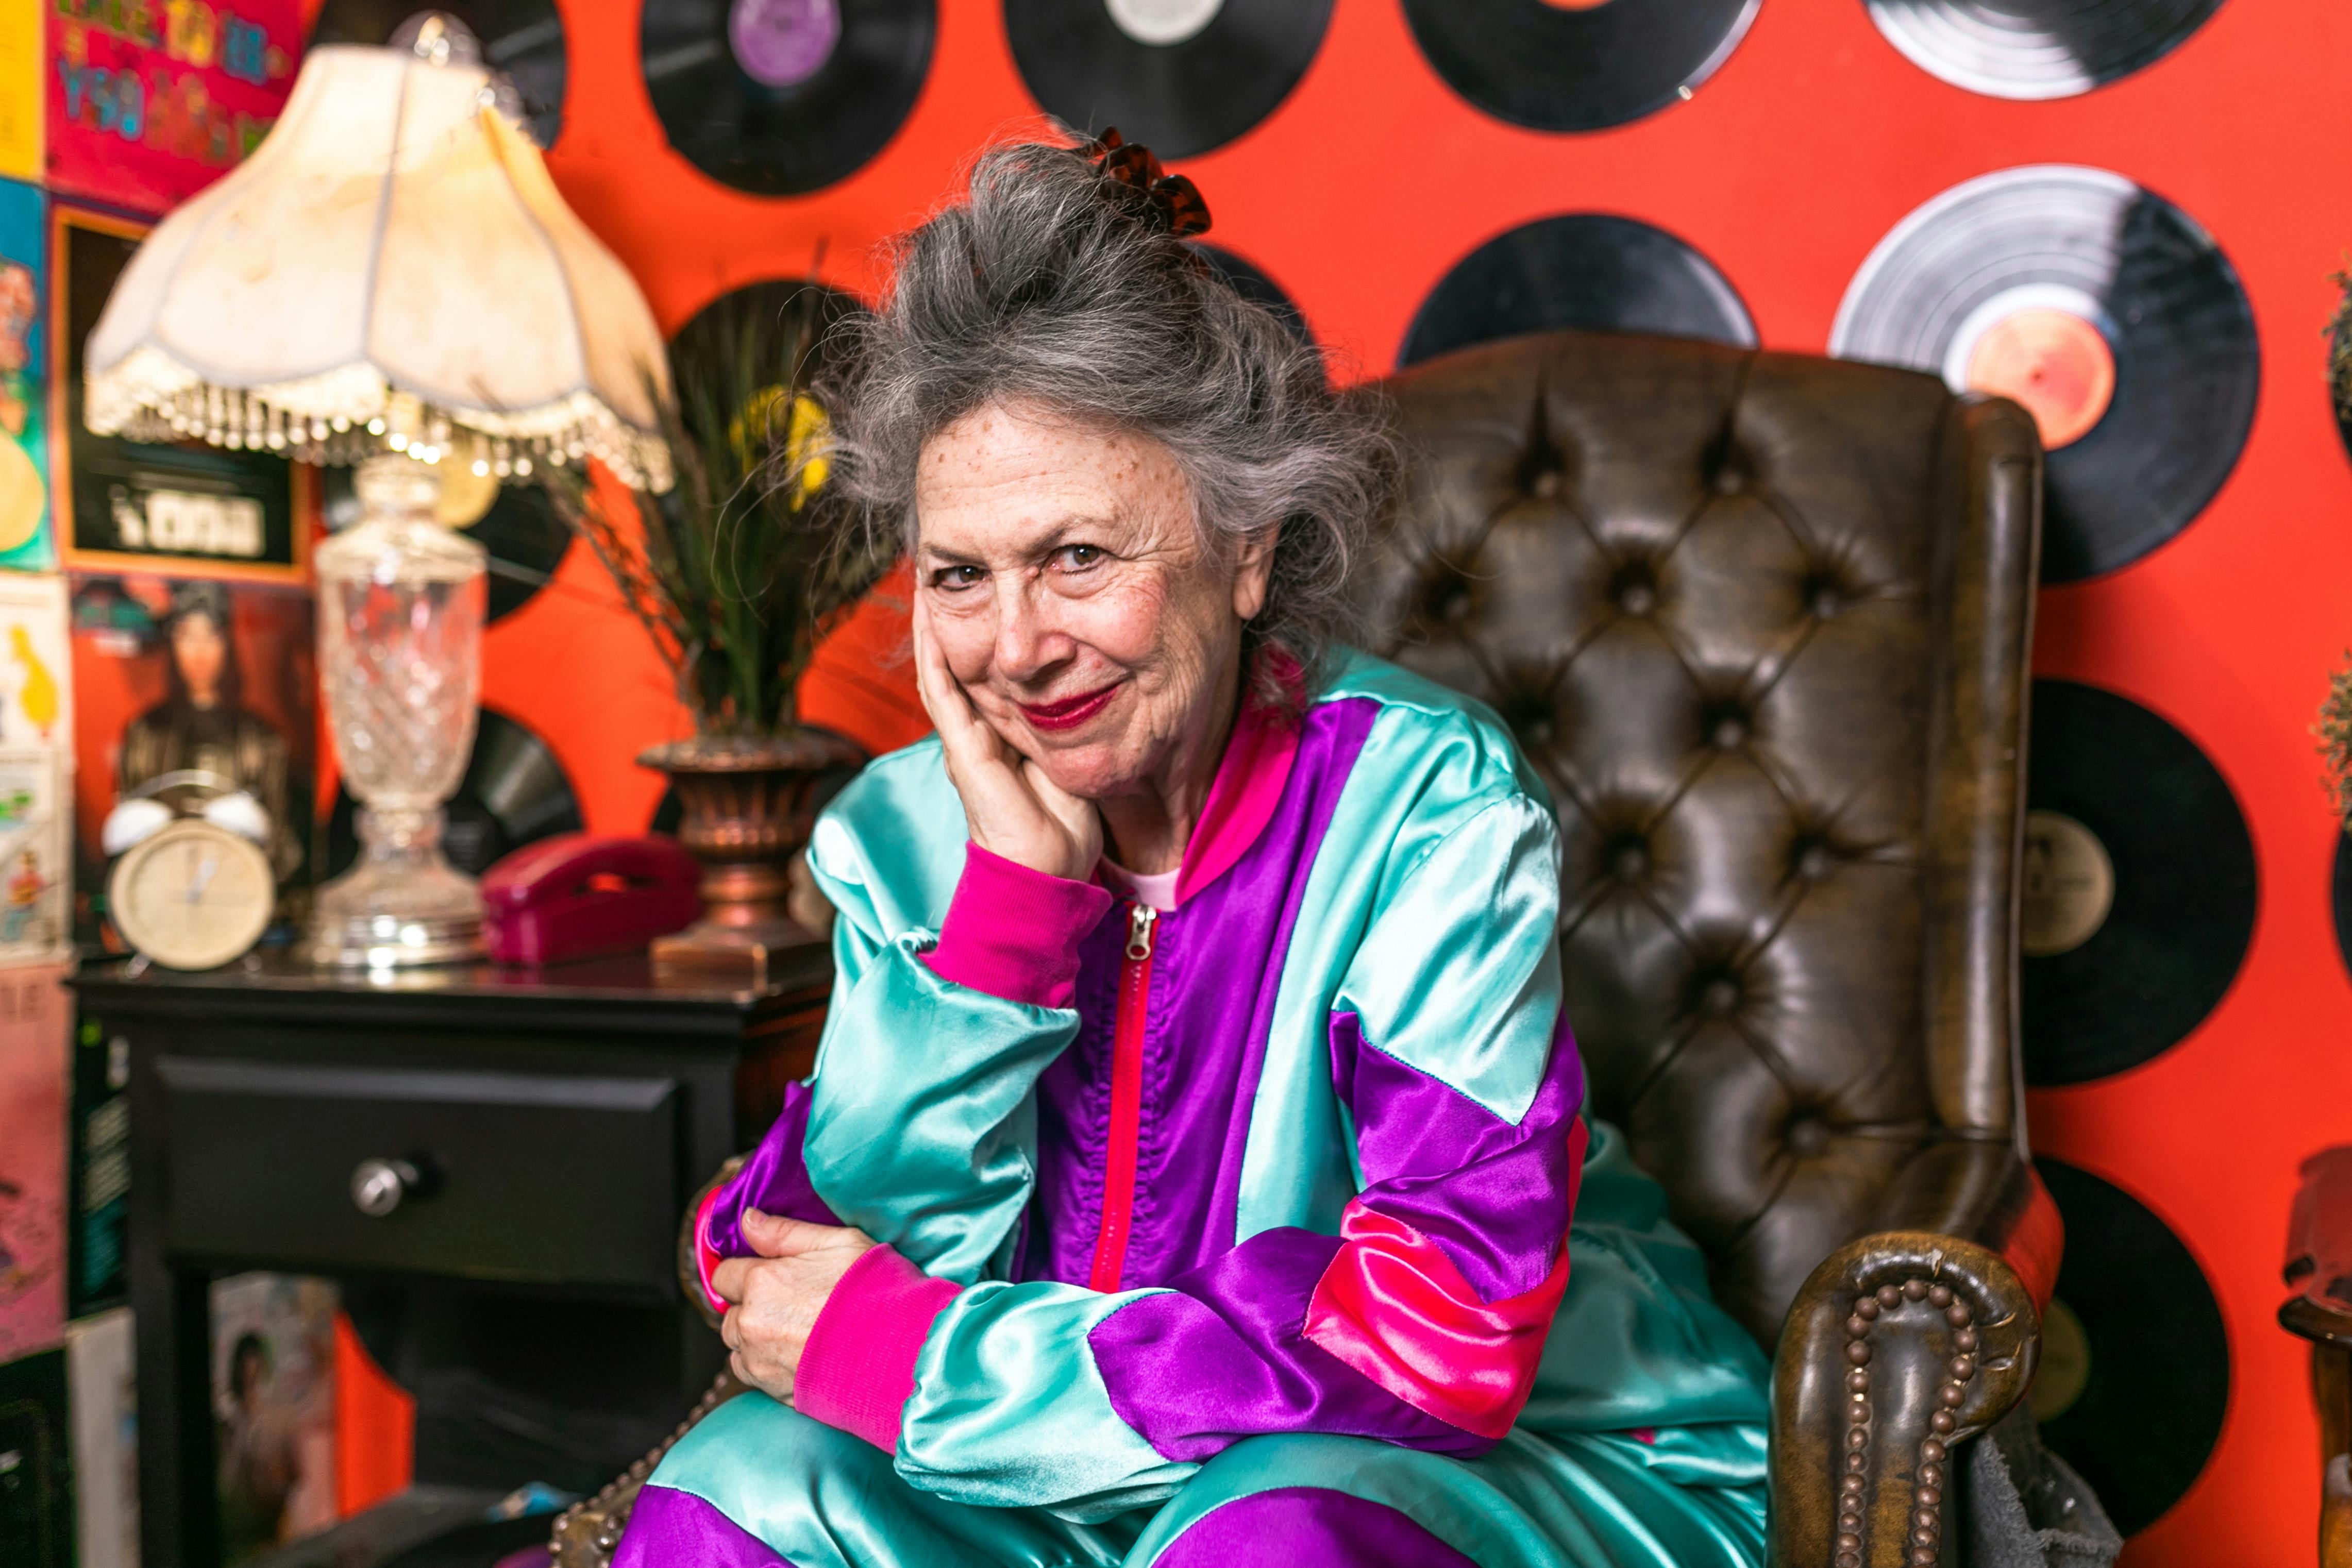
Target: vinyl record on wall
(521,38)
(2140,889)
(2340,897)
(2037,48)
(2135,1376)
(516,523)
(1581,270)
(782,97)
(2106,311)
(1576,65)
(1248,281)
(1179,75)
(514,793)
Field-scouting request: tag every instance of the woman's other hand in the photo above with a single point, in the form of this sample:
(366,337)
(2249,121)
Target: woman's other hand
(1011,808)
(777,1295)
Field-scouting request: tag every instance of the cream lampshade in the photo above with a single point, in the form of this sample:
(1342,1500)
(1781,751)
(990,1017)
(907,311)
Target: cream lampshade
(392,272)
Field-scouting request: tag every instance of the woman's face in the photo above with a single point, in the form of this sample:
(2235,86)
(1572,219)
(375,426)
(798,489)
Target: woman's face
(200,651)
(1074,597)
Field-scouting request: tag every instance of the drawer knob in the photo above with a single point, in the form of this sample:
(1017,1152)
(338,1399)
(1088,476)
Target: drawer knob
(378,1185)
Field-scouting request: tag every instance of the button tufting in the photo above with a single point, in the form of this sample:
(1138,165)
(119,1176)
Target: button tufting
(1729,479)
(1630,862)
(1808,1134)
(1537,729)
(1545,482)
(1721,996)
(1729,733)
(1825,602)
(1814,859)
(1637,598)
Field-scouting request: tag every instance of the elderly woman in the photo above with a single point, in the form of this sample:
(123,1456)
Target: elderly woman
(1187,1174)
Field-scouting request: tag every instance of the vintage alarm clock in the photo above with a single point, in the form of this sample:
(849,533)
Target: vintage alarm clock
(192,886)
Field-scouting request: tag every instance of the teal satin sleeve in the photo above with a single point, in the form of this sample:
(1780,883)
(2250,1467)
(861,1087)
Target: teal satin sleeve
(1009,1409)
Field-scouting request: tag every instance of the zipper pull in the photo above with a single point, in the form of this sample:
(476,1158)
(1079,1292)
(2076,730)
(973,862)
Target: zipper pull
(1139,917)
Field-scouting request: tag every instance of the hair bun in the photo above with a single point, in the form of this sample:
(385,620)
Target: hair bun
(1137,186)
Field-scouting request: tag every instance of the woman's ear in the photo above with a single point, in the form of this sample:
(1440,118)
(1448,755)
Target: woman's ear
(1252,569)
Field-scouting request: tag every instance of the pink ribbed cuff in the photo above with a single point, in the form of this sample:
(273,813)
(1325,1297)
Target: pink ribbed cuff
(857,1371)
(1014,933)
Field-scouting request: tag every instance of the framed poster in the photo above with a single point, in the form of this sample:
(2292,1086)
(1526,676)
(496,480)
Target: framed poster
(152,100)
(24,542)
(21,59)
(183,508)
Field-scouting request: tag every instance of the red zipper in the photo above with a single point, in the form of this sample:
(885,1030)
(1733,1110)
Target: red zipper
(1126,1101)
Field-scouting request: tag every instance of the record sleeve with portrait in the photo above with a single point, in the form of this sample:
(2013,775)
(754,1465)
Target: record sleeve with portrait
(194,676)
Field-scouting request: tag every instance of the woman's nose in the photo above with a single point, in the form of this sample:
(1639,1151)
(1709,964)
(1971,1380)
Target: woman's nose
(1028,641)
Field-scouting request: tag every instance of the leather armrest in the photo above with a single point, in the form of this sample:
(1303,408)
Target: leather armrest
(1867,1398)
(689,1275)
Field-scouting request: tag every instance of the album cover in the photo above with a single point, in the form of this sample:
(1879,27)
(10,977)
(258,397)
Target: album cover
(274,1402)
(37,1490)
(101,1373)
(24,533)
(33,1091)
(100,1191)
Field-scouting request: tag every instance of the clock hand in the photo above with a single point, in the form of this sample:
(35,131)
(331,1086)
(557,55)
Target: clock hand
(203,879)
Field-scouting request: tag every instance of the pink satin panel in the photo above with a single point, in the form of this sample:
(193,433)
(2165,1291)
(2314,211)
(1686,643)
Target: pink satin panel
(1393,1306)
(1247,788)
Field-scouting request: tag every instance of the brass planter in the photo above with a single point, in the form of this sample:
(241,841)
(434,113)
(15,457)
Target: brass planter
(746,808)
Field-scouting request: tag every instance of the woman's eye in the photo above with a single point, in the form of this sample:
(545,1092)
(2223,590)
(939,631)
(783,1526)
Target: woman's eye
(955,579)
(1078,558)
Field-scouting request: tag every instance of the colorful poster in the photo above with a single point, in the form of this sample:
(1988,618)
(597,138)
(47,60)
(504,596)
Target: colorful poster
(176,674)
(99,1368)
(25,534)
(274,1397)
(183,508)
(20,91)
(34,1069)
(152,100)
(37,735)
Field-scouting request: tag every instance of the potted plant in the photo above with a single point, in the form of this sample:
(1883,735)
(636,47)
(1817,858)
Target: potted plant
(731,572)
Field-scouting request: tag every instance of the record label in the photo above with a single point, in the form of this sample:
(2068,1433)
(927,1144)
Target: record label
(2037,48)
(1594,270)
(2102,308)
(1576,65)
(2139,886)
(1180,76)
(2130,1301)
(779,97)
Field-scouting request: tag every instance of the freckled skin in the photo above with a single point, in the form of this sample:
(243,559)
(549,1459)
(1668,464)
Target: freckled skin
(1054,560)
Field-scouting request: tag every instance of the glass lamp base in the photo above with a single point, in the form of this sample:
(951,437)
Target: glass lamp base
(402,904)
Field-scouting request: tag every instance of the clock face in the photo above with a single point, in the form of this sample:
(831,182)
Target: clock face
(193,896)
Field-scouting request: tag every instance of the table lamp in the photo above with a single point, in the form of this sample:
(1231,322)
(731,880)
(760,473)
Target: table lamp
(391,281)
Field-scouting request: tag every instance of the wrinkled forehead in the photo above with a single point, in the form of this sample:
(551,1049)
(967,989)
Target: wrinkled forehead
(1004,483)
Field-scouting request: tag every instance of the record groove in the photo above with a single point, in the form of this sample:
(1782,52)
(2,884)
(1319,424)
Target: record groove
(1594,270)
(1221,68)
(523,40)
(2148,1374)
(779,97)
(1554,67)
(2144,279)
(515,793)
(2035,49)
(2107,988)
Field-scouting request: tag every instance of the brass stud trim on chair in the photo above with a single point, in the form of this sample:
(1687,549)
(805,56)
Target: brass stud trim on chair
(1926,1521)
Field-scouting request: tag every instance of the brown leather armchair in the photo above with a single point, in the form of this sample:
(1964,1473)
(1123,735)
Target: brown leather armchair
(1762,622)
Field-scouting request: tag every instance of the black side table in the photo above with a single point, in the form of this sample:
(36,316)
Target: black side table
(525,1135)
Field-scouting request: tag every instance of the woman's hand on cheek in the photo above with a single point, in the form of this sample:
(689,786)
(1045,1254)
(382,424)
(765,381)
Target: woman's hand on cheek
(778,1294)
(1011,809)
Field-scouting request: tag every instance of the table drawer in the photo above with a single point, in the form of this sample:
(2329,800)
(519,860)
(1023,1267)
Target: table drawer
(537,1178)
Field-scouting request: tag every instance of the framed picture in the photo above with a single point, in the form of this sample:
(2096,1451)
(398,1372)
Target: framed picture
(182,507)
(25,542)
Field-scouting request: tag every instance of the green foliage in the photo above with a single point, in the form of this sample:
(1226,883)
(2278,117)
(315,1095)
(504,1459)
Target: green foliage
(733,570)
(2334,732)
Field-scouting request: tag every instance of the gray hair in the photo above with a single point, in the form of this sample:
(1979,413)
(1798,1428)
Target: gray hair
(1044,287)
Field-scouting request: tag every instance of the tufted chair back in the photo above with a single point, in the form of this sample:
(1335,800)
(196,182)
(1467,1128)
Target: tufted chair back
(1761,621)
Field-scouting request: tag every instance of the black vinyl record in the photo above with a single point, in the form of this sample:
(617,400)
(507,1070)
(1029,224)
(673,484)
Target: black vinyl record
(2163,298)
(526,539)
(2037,48)
(1248,281)
(2135,1376)
(1582,269)
(782,97)
(2340,897)
(2116,974)
(1553,66)
(1179,75)
(521,38)
(514,793)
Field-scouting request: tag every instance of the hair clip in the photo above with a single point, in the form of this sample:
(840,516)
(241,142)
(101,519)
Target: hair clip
(1169,203)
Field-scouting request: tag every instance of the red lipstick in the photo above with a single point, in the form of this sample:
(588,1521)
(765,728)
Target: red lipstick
(1070,712)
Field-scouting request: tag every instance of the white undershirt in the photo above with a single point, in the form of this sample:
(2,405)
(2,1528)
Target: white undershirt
(1158,889)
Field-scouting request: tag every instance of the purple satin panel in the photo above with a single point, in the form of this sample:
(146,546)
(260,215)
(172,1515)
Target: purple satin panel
(673,1528)
(1216,963)
(1223,1358)
(1293,1525)
(1494,1196)
(774,1180)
